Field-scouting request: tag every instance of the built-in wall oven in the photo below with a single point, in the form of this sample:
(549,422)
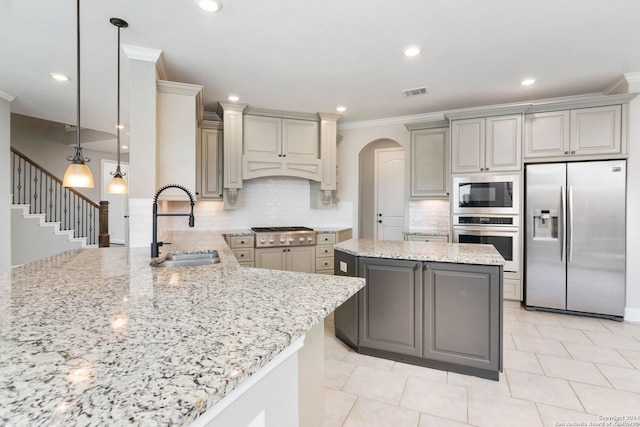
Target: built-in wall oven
(500,231)
(486,194)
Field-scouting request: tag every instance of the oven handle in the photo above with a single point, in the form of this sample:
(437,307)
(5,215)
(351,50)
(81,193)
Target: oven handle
(563,208)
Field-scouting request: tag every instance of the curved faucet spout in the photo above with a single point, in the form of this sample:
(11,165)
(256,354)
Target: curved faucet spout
(155,245)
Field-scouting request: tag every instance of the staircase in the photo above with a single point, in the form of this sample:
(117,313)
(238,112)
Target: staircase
(47,218)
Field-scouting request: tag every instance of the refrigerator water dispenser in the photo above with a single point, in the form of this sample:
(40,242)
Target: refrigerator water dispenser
(545,223)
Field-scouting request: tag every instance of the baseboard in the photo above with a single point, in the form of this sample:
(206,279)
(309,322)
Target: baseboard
(632,314)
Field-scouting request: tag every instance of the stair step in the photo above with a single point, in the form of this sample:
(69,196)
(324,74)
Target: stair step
(42,218)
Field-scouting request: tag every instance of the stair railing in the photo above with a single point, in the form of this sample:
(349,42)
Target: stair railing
(32,184)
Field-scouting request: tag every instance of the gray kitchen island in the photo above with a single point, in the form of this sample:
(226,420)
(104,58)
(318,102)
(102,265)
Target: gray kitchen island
(426,303)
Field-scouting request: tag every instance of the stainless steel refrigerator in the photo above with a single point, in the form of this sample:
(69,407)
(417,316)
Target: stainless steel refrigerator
(575,236)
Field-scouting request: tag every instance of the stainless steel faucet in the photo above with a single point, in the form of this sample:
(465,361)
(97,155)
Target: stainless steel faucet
(155,245)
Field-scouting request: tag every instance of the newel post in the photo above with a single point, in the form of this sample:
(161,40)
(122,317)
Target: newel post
(103,237)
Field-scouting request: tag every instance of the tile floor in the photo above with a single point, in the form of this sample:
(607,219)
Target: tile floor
(558,369)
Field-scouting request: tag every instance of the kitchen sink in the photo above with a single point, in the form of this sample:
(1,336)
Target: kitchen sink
(187,259)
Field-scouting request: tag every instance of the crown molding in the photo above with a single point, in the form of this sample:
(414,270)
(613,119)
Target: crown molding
(178,88)
(141,53)
(230,106)
(487,111)
(211,124)
(400,120)
(619,86)
(329,116)
(582,101)
(6,96)
(281,114)
(436,124)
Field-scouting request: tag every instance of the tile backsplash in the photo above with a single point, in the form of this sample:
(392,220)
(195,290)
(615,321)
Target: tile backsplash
(429,215)
(264,202)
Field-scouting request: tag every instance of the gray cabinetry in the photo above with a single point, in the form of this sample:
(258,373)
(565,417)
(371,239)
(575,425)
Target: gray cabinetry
(209,167)
(441,315)
(462,314)
(390,318)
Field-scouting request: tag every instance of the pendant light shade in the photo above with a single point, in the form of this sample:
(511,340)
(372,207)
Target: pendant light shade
(78,173)
(118,185)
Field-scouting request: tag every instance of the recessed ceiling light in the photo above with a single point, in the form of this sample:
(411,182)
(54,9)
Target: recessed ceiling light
(411,50)
(341,108)
(233,98)
(527,82)
(210,5)
(59,77)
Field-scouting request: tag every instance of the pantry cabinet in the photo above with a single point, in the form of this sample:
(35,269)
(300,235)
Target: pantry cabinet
(577,132)
(486,144)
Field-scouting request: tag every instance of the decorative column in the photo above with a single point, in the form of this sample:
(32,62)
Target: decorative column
(232,151)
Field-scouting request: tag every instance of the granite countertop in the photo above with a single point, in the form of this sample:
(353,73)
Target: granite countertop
(460,253)
(98,336)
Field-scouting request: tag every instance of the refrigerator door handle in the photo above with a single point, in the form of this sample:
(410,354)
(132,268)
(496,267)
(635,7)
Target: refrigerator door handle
(563,234)
(570,231)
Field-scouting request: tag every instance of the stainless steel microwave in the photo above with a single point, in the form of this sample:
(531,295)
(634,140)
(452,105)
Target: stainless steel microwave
(486,194)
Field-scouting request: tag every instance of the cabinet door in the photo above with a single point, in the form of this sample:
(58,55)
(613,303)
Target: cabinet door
(462,306)
(430,163)
(301,259)
(596,130)
(467,145)
(271,258)
(546,134)
(211,164)
(390,306)
(504,142)
(262,135)
(300,138)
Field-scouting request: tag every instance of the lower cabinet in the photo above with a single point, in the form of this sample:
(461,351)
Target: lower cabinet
(462,307)
(299,258)
(391,317)
(441,315)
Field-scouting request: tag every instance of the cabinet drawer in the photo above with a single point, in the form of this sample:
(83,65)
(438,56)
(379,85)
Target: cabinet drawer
(249,264)
(324,250)
(328,272)
(325,263)
(241,242)
(325,239)
(243,255)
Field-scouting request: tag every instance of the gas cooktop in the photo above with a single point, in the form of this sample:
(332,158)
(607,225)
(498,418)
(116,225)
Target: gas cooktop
(284,236)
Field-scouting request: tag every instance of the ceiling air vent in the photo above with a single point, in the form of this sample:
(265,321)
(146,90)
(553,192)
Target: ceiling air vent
(415,91)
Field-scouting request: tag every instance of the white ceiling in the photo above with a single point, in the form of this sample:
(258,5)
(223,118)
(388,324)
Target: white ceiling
(312,55)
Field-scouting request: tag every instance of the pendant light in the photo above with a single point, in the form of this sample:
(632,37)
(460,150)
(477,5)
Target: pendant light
(118,185)
(78,173)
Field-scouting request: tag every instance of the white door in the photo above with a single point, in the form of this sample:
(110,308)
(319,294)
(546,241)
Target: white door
(389,193)
(118,204)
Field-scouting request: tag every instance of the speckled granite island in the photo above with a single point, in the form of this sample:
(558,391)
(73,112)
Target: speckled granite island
(426,303)
(99,337)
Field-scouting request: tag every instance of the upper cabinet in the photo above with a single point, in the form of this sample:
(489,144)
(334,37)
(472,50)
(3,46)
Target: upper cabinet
(280,146)
(429,161)
(486,144)
(177,114)
(209,166)
(577,132)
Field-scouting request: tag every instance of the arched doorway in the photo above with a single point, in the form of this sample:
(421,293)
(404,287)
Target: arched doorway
(381,192)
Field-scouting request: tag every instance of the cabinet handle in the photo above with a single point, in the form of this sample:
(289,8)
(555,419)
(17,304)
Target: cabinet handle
(486,169)
(566,152)
(481,169)
(380,221)
(242,242)
(379,214)
(573,152)
(241,255)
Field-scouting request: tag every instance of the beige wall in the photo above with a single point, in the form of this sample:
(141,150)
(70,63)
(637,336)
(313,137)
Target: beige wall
(632,310)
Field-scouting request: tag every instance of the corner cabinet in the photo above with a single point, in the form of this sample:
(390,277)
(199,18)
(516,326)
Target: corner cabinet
(280,146)
(429,162)
(486,144)
(577,132)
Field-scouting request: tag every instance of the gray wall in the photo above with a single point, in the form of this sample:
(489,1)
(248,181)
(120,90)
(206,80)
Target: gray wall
(46,143)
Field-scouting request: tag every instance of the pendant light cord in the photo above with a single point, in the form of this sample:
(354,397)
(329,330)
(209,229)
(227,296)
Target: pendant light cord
(118,124)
